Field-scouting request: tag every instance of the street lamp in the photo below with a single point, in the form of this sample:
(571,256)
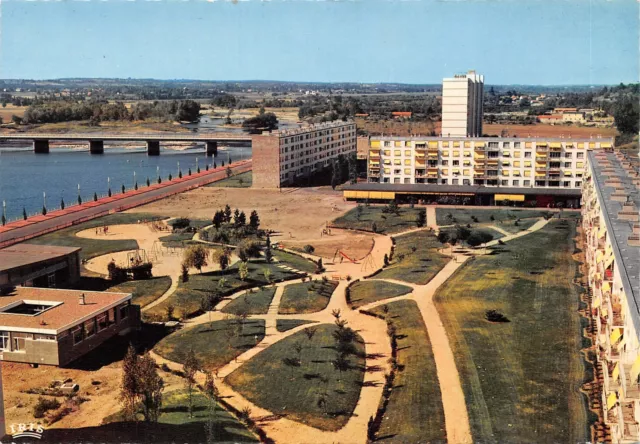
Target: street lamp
(4,212)
(157,172)
(44,199)
(196,164)
(134,179)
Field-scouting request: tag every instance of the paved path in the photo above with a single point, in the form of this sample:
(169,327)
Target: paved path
(22,230)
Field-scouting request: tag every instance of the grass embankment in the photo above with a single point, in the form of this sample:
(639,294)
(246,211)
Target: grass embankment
(464,216)
(306,297)
(521,379)
(294,261)
(94,247)
(416,267)
(366,292)
(253,302)
(215,343)
(295,390)
(242,180)
(145,291)
(386,223)
(188,297)
(415,412)
(283,325)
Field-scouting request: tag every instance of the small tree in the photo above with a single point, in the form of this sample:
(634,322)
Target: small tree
(267,275)
(62,203)
(124,189)
(151,386)
(190,368)
(243,271)
(135,186)
(421,218)
(184,272)
(24,213)
(129,388)
(169,312)
(44,210)
(195,256)
(95,196)
(180,174)
(227,213)
(443,237)
(222,257)
(254,220)
(385,260)
(374,227)
(229,172)
(170,177)
(79,200)
(211,391)
(148,182)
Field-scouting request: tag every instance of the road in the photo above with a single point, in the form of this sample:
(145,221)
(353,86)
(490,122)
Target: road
(20,231)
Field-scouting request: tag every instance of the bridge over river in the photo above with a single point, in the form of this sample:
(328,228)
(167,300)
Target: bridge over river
(96,140)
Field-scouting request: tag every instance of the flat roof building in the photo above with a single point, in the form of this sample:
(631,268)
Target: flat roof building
(481,161)
(38,266)
(55,326)
(287,157)
(462,105)
(611,225)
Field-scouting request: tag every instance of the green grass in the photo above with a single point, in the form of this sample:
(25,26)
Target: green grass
(187,298)
(385,222)
(146,291)
(294,261)
(94,247)
(477,228)
(511,227)
(414,413)
(306,297)
(417,267)
(175,411)
(215,343)
(283,325)
(365,292)
(463,215)
(521,379)
(253,303)
(242,180)
(294,391)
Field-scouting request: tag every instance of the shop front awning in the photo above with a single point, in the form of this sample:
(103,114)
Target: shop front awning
(511,197)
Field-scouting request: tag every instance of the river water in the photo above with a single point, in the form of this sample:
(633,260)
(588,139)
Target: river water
(25,176)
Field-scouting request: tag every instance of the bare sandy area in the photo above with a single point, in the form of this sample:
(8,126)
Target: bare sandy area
(297,215)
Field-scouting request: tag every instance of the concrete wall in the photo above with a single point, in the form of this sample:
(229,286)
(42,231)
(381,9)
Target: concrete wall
(266,161)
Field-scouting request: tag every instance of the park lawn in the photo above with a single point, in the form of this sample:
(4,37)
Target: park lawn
(366,292)
(463,215)
(306,297)
(521,379)
(242,180)
(144,292)
(187,298)
(227,428)
(94,247)
(215,344)
(294,391)
(417,267)
(386,223)
(477,228)
(511,227)
(253,302)
(294,261)
(283,325)
(415,412)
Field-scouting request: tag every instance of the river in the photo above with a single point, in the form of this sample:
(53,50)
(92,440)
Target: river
(25,176)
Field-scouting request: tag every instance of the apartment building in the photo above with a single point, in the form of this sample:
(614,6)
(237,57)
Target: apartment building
(611,198)
(462,105)
(282,158)
(481,161)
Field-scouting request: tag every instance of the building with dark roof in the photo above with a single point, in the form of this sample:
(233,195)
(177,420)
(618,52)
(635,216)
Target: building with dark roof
(38,266)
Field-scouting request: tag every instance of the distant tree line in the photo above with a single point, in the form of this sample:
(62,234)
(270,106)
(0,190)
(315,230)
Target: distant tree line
(67,111)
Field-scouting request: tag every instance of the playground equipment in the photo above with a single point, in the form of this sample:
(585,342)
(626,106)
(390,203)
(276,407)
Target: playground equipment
(368,263)
(137,257)
(342,254)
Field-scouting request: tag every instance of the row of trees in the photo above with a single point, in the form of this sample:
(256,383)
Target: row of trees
(101,111)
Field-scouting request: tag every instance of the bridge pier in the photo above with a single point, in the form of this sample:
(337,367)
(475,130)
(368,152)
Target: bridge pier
(41,146)
(153,147)
(96,147)
(212,148)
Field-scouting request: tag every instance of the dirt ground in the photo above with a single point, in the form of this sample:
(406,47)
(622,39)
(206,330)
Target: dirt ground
(101,398)
(297,215)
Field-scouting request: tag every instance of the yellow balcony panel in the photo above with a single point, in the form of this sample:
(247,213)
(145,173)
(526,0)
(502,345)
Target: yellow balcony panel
(568,174)
(478,156)
(540,174)
(432,168)
(555,145)
(456,153)
(375,144)
(432,174)
(433,155)
(419,155)
(492,161)
(541,156)
(605,145)
(433,144)
(478,173)
(511,197)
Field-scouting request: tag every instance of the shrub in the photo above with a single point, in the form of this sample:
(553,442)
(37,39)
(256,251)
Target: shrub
(309,249)
(180,223)
(43,405)
(495,316)
(142,271)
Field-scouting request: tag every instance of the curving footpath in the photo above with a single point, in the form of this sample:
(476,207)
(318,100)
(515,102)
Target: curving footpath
(373,331)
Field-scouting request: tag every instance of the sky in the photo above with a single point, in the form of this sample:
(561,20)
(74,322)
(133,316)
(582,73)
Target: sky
(540,42)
